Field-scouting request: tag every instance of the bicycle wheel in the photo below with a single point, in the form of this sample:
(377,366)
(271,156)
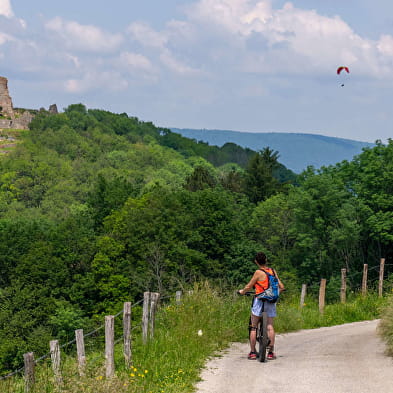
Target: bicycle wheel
(262,338)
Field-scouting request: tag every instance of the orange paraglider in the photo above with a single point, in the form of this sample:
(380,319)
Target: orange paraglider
(340,69)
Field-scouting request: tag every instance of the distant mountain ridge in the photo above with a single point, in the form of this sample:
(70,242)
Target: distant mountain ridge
(297,151)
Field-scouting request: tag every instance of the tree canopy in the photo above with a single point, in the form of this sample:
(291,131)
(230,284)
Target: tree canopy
(98,207)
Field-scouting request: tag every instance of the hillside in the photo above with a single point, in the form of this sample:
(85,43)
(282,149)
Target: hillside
(8,140)
(97,208)
(297,151)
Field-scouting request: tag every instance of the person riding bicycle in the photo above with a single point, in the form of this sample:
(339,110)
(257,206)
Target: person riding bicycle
(260,282)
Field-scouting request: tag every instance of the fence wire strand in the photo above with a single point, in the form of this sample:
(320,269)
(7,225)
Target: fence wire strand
(47,355)
(11,374)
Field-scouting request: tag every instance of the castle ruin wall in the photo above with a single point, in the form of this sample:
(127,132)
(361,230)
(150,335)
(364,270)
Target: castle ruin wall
(5,99)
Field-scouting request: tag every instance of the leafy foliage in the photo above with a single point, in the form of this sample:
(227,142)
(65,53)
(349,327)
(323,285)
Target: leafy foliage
(97,208)
(260,180)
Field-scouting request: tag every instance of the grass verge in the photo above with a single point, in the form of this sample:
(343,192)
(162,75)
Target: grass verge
(171,362)
(385,327)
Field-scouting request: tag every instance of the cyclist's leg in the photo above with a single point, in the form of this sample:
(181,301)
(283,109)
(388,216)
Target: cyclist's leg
(270,332)
(271,313)
(256,312)
(253,332)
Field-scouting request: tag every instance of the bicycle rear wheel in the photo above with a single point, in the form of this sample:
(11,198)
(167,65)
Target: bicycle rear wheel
(262,338)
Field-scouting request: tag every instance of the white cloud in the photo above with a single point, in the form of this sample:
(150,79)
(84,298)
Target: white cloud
(93,80)
(286,40)
(73,86)
(177,66)
(73,59)
(136,61)
(145,35)
(181,30)
(385,45)
(5,8)
(4,38)
(229,14)
(220,48)
(84,37)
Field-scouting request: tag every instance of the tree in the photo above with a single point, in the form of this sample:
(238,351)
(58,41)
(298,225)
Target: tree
(326,225)
(199,179)
(108,195)
(370,177)
(270,226)
(260,182)
(76,108)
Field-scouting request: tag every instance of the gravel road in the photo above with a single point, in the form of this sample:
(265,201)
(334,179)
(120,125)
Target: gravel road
(340,359)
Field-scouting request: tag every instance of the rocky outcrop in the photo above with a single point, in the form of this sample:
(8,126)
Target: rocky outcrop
(22,122)
(5,123)
(7,109)
(16,118)
(53,109)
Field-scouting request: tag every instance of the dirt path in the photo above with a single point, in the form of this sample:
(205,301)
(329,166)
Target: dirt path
(340,359)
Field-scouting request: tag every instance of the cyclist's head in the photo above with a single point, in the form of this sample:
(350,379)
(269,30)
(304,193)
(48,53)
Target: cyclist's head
(261,259)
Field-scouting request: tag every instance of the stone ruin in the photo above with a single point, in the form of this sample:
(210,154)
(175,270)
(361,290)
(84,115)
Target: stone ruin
(11,117)
(5,99)
(53,109)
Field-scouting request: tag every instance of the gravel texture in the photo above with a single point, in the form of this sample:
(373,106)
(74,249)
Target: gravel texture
(340,359)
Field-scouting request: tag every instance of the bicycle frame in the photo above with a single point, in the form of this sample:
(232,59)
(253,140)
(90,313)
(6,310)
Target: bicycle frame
(262,340)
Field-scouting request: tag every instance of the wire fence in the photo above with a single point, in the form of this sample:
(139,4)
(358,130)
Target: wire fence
(85,335)
(73,341)
(354,276)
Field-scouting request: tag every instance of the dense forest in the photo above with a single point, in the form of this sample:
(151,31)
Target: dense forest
(96,208)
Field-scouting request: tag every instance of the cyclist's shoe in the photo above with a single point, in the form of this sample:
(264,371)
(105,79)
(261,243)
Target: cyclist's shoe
(252,356)
(271,356)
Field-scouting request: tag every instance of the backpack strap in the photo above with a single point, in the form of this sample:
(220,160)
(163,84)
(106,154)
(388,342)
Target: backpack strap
(269,274)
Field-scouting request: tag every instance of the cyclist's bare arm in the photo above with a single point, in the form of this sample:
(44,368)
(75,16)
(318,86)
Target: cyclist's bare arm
(280,284)
(256,277)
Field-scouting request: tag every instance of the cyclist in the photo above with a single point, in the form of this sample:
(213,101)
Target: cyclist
(260,282)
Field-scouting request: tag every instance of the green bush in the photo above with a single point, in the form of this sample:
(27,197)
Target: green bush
(171,362)
(386,326)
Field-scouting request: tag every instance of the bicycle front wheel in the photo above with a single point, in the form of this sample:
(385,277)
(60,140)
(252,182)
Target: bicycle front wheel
(262,338)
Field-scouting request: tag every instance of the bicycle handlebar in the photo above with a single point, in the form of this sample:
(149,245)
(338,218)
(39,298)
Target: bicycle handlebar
(248,293)
(252,293)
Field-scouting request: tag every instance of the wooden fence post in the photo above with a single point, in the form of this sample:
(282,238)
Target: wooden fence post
(109,346)
(322,291)
(56,361)
(178,297)
(364,280)
(381,272)
(127,333)
(145,316)
(80,351)
(154,298)
(303,294)
(343,290)
(29,371)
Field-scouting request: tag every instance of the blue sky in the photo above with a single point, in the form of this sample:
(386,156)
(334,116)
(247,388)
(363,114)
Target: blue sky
(246,65)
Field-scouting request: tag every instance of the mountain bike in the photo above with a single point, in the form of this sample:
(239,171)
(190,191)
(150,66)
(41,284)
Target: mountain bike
(261,333)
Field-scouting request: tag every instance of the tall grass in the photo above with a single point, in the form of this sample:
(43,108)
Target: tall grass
(386,326)
(171,362)
(357,308)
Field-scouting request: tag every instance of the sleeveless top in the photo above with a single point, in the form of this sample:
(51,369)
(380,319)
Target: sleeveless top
(261,286)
